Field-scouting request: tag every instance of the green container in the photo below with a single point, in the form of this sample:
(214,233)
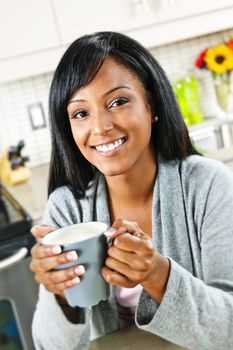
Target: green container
(186,92)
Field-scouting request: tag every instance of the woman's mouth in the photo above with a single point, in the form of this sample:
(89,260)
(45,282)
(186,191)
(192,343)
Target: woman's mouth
(111,146)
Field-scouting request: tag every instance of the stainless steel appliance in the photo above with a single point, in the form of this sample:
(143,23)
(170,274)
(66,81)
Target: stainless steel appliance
(212,134)
(18,290)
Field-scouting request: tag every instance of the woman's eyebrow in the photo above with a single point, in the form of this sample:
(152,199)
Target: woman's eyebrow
(115,88)
(76,100)
(104,95)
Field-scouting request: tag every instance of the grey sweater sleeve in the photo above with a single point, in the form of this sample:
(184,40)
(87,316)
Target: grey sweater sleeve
(197,313)
(50,327)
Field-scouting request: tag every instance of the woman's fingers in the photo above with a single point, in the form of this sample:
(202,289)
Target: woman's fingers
(61,276)
(133,244)
(120,227)
(40,231)
(130,258)
(44,261)
(60,287)
(57,281)
(125,270)
(113,277)
(44,258)
(40,251)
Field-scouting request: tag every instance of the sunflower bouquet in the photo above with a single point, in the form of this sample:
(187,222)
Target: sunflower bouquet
(219,61)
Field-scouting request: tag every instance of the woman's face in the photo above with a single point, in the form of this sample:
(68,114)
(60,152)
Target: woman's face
(111,121)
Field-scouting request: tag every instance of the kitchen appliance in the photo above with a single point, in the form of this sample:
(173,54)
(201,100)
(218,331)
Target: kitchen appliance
(12,165)
(212,135)
(18,289)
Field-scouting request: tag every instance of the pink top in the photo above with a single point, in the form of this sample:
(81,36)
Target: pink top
(127,300)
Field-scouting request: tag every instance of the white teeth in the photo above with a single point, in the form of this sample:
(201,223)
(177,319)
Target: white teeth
(110,146)
(118,143)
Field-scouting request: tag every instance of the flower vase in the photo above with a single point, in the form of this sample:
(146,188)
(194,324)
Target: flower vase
(222,92)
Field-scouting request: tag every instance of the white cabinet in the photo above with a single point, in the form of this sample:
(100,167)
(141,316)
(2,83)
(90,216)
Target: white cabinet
(168,10)
(181,19)
(26,26)
(77,17)
(29,40)
(152,22)
(34,34)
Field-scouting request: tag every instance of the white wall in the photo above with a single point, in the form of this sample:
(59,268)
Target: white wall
(177,59)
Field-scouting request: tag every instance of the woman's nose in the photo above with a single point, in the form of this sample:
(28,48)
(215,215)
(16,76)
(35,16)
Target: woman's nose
(101,123)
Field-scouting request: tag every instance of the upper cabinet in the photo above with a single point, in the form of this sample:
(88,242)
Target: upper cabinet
(26,26)
(81,17)
(29,40)
(152,22)
(176,20)
(34,34)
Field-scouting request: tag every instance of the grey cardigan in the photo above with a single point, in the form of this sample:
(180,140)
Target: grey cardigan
(192,224)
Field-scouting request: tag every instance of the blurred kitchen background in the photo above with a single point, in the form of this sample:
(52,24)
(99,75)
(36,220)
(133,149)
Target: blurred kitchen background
(34,35)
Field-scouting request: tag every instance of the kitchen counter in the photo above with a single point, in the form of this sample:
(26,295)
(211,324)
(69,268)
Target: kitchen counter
(223,154)
(32,195)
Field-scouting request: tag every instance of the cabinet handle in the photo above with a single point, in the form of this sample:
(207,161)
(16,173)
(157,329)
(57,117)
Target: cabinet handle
(13,259)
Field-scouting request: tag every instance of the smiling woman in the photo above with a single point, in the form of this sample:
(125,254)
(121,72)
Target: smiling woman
(121,154)
(83,63)
(107,118)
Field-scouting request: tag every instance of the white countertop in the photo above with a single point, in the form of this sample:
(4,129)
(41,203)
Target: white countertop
(32,195)
(223,154)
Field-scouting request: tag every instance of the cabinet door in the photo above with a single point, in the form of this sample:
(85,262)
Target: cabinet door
(168,10)
(76,17)
(26,26)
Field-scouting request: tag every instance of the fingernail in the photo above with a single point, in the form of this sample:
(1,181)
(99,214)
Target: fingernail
(79,270)
(110,231)
(34,227)
(56,249)
(72,256)
(75,280)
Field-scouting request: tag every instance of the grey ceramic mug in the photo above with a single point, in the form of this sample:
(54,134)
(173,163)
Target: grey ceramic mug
(88,240)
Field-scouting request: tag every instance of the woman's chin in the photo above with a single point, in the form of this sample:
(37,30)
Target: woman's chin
(112,172)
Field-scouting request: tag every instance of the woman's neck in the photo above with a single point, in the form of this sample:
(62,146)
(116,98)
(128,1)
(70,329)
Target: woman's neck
(132,189)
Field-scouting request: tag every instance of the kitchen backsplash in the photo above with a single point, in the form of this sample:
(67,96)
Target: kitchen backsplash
(15,123)
(177,59)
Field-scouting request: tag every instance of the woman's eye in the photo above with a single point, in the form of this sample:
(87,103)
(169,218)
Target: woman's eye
(80,114)
(118,102)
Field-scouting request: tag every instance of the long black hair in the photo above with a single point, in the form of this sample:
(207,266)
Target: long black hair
(78,66)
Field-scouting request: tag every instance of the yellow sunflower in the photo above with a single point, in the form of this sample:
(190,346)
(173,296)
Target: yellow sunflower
(219,59)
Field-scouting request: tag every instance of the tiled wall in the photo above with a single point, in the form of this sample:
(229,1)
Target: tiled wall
(177,59)
(15,124)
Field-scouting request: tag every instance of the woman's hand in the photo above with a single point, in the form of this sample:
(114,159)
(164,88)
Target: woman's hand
(133,260)
(46,258)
